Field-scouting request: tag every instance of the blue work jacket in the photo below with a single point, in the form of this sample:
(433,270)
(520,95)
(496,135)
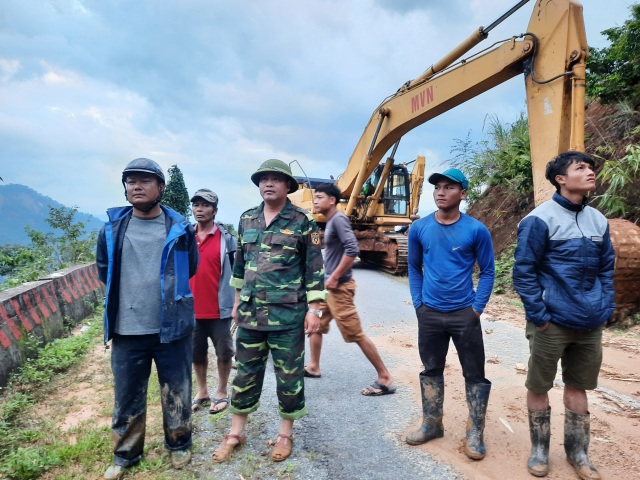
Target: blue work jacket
(564,263)
(179,263)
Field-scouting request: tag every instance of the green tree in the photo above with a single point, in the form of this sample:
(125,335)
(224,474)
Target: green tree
(74,246)
(614,71)
(502,158)
(621,176)
(231,229)
(176,195)
(48,252)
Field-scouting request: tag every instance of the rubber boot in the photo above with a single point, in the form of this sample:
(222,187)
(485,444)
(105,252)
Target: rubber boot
(540,433)
(477,400)
(432,402)
(576,444)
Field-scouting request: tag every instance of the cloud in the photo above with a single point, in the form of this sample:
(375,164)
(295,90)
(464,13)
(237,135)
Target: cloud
(217,87)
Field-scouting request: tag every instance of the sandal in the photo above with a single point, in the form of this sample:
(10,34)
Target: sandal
(378,389)
(216,402)
(199,402)
(282,451)
(224,451)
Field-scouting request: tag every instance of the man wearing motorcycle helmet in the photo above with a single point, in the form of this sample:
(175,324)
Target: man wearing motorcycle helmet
(145,256)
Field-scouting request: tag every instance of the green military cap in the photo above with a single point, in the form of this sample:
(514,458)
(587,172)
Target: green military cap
(276,166)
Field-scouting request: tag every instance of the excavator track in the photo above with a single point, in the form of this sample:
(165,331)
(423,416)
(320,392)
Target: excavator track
(385,251)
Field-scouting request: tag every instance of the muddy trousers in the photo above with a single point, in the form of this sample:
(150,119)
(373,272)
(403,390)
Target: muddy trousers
(436,329)
(287,352)
(131,358)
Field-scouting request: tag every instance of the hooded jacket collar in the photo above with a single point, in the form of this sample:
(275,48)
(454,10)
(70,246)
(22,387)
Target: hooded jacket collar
(574,207)
(118,213)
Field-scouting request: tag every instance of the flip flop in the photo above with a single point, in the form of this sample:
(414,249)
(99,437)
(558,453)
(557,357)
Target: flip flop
(217,402)
(383,390)
(199,402)
(308,374)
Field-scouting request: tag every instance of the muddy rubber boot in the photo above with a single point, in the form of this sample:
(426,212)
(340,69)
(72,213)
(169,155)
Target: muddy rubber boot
(576,444)
(540,433)
(477,400)
(432,402)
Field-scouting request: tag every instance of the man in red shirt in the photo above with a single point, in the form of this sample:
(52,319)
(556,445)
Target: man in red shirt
(214,299)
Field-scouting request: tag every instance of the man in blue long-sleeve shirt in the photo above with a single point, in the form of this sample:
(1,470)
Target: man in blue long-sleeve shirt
(443,249)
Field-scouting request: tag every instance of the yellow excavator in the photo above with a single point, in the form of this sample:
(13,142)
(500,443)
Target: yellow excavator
(385,205)
(552,57)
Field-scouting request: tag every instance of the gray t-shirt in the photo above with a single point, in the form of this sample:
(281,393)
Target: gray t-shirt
(339,240)
(140,306)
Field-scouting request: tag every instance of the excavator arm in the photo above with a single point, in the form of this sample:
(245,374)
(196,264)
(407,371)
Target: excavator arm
(552,55)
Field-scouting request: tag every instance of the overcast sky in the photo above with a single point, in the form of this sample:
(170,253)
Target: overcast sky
(217,87)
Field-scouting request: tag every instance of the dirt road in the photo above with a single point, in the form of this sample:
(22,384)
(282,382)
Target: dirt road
(615,405)
(348,436)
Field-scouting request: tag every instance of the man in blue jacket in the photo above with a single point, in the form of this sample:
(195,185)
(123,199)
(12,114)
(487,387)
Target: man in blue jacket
(145,256)
(443,249)
(563,273)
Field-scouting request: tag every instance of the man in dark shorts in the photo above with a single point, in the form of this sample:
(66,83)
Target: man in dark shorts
(214,299)
(341,250)
(563,273)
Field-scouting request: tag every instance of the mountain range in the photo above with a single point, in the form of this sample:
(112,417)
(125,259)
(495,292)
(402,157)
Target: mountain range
(21,206)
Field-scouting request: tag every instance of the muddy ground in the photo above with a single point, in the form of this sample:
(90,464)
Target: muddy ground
(348,436)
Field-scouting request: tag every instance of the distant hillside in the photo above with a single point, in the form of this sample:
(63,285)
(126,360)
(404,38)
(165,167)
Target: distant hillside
(21,206)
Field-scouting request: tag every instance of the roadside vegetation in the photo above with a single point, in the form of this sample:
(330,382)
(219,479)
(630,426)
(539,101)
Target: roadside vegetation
(31,445)
(614,71)
(55,414)
(48,252)
(503,157)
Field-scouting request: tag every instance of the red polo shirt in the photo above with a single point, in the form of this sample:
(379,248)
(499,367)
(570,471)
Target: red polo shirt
(204,284)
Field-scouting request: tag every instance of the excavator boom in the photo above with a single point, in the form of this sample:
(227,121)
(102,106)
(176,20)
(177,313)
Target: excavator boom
(382,197)
(554,47)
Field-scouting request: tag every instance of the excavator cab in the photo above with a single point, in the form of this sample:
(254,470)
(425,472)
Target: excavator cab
(395,196)
(387,191)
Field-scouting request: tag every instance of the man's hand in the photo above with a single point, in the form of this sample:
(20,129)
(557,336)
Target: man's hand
(236,303)
(543,327)
(311,324)
(476,313)
(331,283)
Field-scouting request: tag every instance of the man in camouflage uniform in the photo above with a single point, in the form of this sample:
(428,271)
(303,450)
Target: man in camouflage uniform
(279,279)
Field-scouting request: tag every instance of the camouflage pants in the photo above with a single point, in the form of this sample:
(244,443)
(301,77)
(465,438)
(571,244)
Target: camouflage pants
(287,352)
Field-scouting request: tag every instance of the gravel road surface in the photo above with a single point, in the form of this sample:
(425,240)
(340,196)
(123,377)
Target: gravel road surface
(346,435)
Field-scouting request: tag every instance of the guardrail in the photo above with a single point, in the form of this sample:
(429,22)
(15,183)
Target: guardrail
(40,309)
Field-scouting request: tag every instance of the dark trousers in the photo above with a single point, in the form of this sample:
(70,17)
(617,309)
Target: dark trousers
(435,329)
(131,357)
(287,352)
